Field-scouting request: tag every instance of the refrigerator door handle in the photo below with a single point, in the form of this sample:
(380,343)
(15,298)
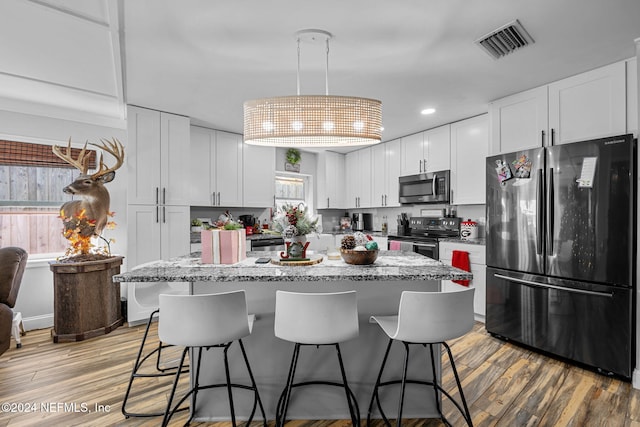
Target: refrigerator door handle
(550,216)
(539,212)
(560,288)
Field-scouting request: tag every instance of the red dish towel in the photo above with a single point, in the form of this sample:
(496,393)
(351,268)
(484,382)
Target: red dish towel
(460,259)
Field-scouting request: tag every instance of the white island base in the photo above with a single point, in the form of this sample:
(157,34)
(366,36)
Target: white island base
(270,358)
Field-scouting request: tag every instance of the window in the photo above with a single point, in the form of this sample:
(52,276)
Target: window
(31,183)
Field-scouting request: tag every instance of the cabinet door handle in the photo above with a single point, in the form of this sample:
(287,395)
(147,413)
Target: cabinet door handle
(542,137)
(213,199)
(164,215)
(382,199)
(420,166)
(157,195)
(328,202)
(157,213)
(424,164)
(385,200)
(218,198)
(164,195)
(553,137)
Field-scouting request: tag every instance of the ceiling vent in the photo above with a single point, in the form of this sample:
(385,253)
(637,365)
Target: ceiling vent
(505,40)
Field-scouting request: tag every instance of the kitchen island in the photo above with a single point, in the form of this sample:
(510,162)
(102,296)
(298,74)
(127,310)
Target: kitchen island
(378,287)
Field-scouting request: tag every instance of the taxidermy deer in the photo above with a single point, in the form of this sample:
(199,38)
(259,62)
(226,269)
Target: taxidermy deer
(94,202)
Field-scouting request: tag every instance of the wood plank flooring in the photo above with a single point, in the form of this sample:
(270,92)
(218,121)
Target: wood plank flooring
(505,385)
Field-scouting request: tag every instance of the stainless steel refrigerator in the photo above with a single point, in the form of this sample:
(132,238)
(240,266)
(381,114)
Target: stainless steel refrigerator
(561,251)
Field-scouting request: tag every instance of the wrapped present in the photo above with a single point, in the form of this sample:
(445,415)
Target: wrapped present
(223,246)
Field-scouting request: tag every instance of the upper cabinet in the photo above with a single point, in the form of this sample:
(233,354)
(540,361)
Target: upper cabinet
(469,148)
(589,105)
(216,168)
(331,179)
(259,176)
(520,121)
(358,178)
(385,171)
(426,151)
(157,157)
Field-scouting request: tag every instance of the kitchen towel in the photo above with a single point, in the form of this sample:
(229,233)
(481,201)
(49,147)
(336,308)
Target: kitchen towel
(394,245)
(460,259)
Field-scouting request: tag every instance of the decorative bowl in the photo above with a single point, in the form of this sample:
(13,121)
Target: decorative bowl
(354,257)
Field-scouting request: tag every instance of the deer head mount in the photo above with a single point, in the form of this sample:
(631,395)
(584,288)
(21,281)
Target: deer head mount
(94,202)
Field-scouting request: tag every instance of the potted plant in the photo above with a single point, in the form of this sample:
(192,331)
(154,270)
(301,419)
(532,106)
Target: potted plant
(196,225)
(293,160)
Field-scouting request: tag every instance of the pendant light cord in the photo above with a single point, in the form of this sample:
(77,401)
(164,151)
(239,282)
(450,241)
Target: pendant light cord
(326,69)
(298,74)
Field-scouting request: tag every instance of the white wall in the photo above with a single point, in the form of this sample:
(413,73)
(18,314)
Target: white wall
(35,299)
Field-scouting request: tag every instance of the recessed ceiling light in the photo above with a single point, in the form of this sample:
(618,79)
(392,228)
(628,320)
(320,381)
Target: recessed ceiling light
(428,111)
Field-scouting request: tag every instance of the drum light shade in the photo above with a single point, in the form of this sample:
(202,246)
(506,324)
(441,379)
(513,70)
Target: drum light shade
(312,121)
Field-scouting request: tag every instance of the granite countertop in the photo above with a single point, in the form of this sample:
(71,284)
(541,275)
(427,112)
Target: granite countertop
(390,265)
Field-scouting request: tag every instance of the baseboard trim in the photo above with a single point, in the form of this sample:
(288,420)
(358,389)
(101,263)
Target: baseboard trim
(37,322)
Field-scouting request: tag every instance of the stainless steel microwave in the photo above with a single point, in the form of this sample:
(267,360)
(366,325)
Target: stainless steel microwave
(432,187)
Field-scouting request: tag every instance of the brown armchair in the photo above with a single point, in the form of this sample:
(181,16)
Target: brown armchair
(12,264)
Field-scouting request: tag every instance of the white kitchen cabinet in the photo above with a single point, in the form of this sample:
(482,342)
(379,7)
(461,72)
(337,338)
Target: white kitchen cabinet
(358,178)
(519,122)
(258,176)
(154,232)
(469,148)
(477,261)
(385,171)
(331,180)
(426,151)
(589,105)
(586,106)
(157,157)
(216,168)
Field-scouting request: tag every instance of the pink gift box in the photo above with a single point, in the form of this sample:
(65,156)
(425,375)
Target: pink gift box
(223,246)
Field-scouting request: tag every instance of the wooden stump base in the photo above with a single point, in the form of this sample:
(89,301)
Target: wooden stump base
(86,301)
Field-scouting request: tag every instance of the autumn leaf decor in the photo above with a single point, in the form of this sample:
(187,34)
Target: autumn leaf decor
(79,230)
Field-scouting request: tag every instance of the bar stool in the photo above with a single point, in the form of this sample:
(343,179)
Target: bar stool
(426,318)
(316,319)
(207,321)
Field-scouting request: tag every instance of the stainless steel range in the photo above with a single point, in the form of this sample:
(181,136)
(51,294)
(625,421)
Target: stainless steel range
(424,235)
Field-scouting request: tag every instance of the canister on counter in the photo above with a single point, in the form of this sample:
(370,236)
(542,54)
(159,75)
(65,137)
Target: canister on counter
(468,229)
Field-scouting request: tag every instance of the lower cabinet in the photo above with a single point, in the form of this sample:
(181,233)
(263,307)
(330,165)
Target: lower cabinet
(477,261)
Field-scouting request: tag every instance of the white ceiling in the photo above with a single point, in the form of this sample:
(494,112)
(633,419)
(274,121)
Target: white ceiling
(84,59)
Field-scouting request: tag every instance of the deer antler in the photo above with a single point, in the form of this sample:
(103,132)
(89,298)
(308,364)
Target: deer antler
(114,148)
(82,163)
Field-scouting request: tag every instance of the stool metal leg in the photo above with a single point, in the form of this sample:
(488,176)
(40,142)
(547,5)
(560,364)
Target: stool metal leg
(405,366)
(434,373)
(283,402)
(169,411)
(374,395)
(354,410)
(255,387)
(466,413)
(229,391)
(138,364)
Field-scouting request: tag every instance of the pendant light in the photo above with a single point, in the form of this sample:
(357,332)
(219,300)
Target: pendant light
(313,120)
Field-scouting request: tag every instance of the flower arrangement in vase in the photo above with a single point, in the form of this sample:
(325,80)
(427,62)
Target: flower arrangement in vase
(293,222)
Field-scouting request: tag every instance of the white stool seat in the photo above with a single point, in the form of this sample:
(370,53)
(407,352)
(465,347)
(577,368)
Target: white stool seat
(316,319)
(426,318)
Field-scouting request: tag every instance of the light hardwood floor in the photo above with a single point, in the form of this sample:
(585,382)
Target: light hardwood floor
(505,385)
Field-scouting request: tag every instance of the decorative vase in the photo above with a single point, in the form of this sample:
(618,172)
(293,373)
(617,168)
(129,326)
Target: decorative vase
(295,248)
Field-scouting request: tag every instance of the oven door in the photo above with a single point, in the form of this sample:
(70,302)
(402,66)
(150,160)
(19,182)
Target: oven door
(428,249)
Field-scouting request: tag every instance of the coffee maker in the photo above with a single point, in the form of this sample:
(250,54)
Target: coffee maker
(357,222)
